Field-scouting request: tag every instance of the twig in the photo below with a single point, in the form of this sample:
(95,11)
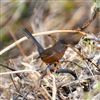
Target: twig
(46,91)
(87,23)
(54,89)
(18,45)
(21,95)
(25,95)
(15,72)
(71,92)
(10,69)
(38,34)
(14,83)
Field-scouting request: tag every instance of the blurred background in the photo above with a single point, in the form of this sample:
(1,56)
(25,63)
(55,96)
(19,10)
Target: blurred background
(39,16)
(42,16)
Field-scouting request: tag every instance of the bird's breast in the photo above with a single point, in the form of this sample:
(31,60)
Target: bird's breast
(53,57)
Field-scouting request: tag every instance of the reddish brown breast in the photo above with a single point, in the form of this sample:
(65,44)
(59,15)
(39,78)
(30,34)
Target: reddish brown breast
(53,54)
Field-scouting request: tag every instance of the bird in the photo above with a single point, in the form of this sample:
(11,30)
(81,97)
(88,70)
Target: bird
(55,53)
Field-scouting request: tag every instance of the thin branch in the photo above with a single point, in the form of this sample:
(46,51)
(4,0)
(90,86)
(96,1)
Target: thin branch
(10,69)
(14,83)
(89,21)
(46,92)
(54,88)
(15,72)
(18,45)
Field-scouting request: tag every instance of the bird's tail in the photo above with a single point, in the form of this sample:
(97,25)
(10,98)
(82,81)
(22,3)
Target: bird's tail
(29,35)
